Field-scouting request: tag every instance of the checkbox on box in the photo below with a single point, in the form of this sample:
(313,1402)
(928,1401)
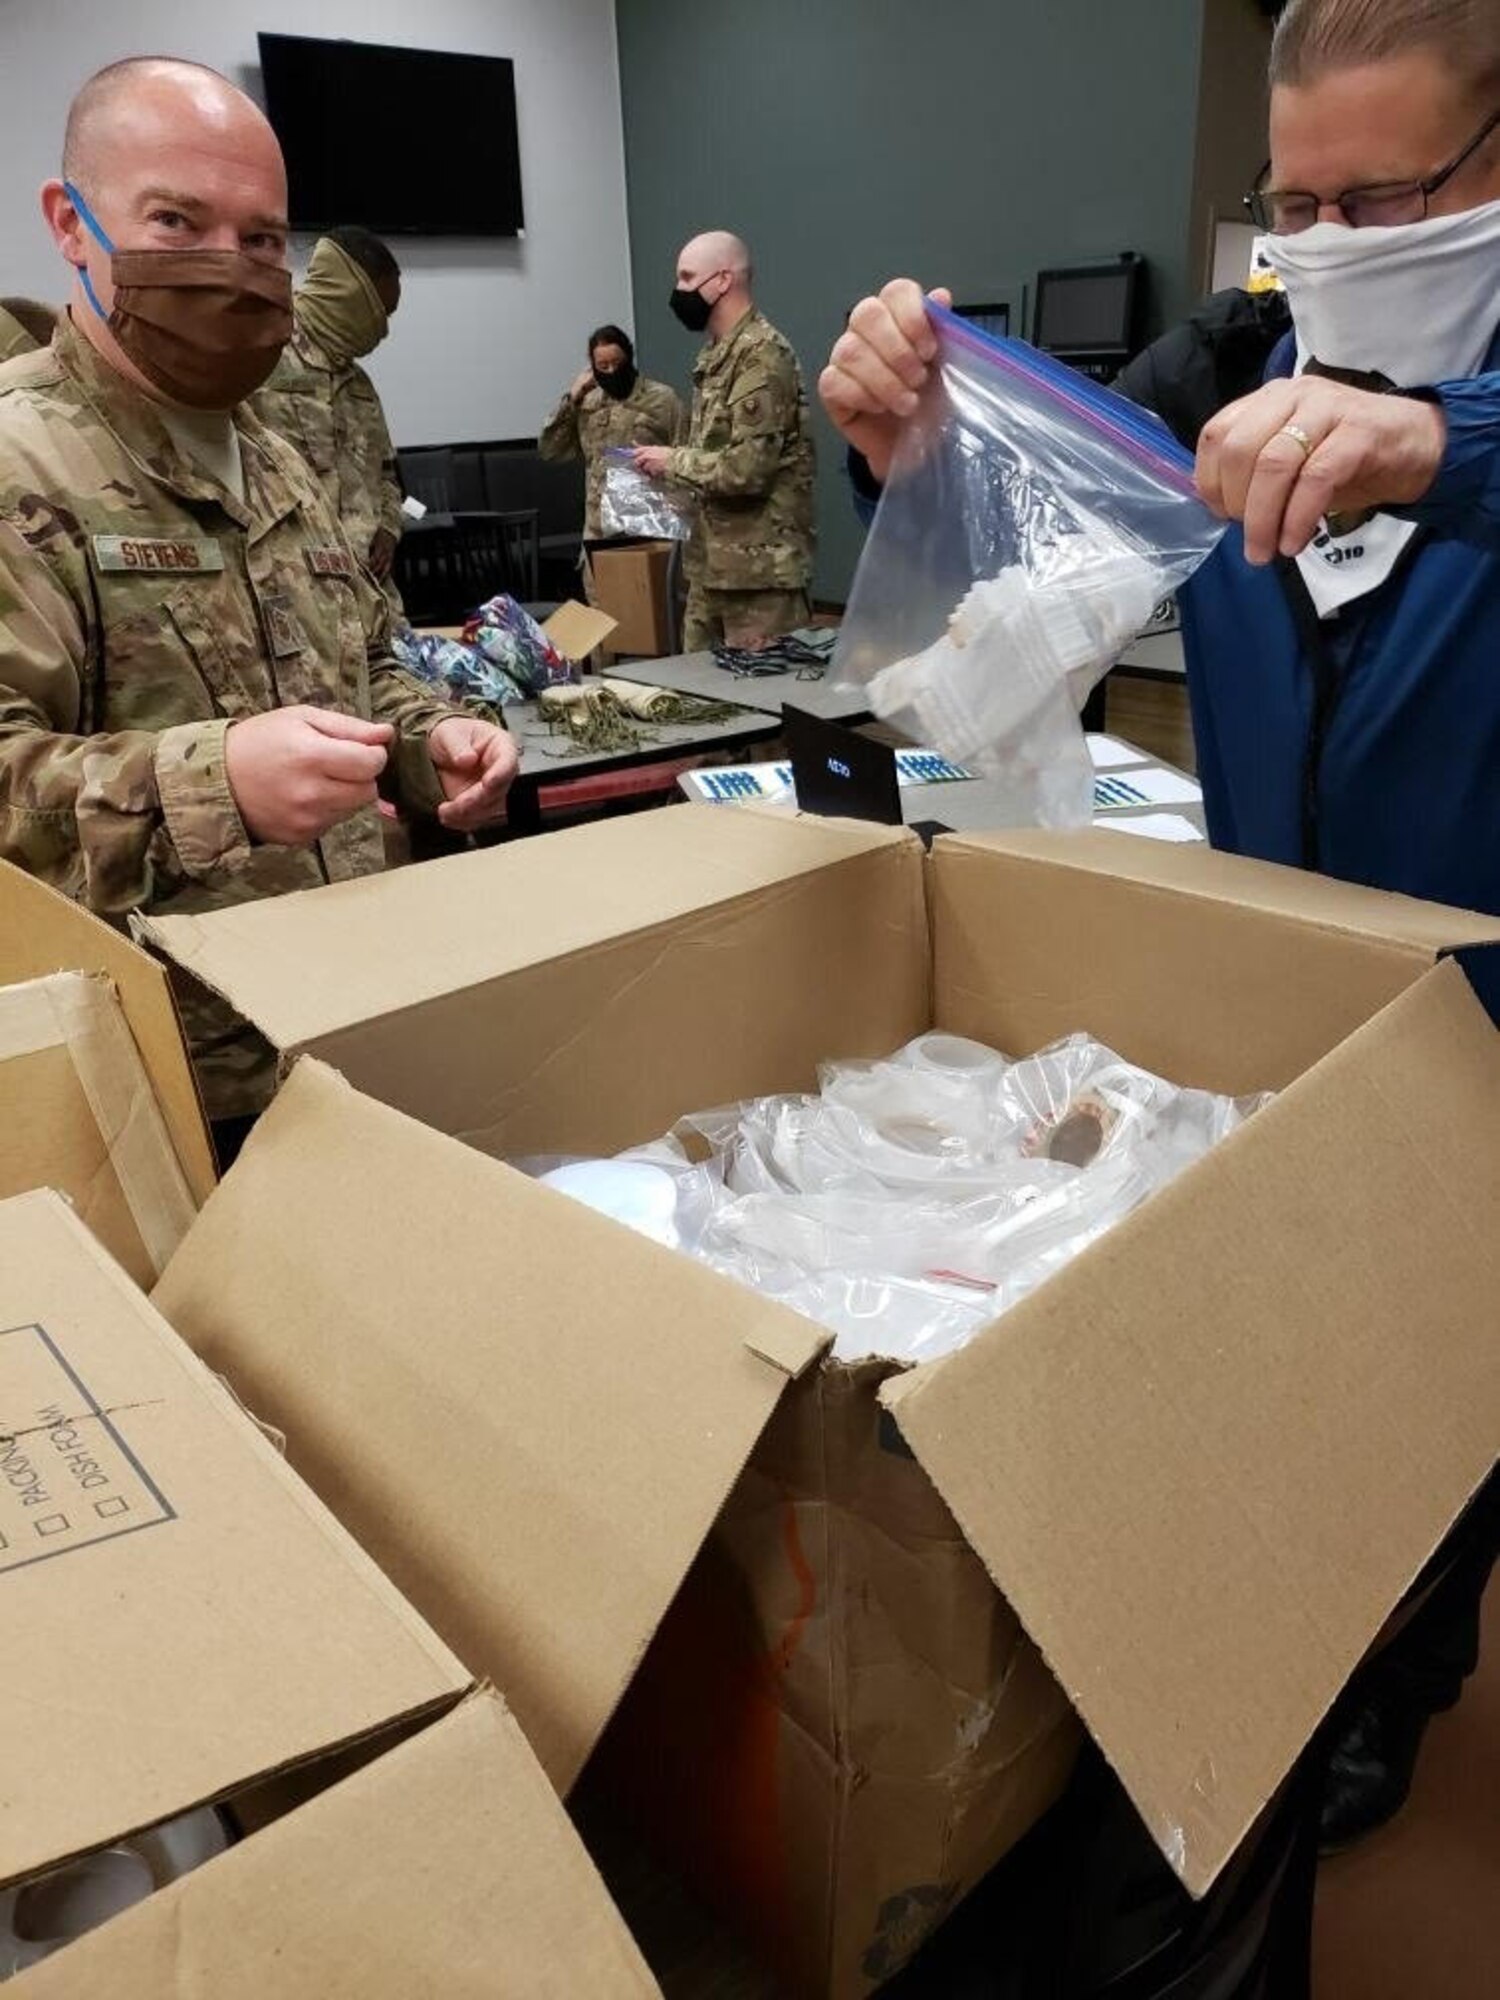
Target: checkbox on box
(115,1504)
(52,1524)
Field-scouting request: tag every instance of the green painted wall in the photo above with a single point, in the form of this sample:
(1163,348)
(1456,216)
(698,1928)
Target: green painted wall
(854,140)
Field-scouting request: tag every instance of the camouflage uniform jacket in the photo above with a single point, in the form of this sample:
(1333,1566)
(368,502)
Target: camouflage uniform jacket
(749,459)
(651,414)
(143,609)
(329,410)
(25,325)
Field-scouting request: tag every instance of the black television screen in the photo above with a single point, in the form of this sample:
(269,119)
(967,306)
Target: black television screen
(991,318)
(1082,308)
(410,142)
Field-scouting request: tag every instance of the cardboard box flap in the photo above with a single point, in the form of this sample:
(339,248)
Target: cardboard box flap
(527,1413)
(1195,870)
(448,1866)
(80,1115)
(1207,1459)
(309,964)
(196,1617)
(43,932)
(579,629)
(575,629)
(1037,936)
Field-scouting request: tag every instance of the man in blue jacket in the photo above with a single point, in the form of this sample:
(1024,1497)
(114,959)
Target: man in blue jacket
(1343,643)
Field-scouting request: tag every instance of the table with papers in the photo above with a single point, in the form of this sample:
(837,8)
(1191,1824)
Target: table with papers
(1133,792)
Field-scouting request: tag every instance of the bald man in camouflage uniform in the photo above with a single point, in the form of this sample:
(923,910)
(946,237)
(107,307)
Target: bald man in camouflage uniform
(748,460)
(197,694)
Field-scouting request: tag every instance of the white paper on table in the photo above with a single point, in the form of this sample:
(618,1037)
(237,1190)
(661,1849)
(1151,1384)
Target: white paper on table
(1109,753)
(1151,786)
(1152,826)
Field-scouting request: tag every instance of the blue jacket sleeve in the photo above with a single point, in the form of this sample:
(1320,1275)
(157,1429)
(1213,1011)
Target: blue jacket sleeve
(863,484)
(1464,500)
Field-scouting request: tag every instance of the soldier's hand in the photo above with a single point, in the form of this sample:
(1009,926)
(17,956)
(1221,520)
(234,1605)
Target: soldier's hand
(382,553)
(582,385)
(296,772)
(475,763)
(878,364)
(652,459)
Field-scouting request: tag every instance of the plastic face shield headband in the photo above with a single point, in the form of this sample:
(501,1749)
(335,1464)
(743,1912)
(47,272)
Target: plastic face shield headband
(91,224)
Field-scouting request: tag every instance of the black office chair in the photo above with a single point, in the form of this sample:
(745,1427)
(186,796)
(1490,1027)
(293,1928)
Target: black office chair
(520,532)
(428,476)
(447,571)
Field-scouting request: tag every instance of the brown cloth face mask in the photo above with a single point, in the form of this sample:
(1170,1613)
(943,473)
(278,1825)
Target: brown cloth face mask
(205,327)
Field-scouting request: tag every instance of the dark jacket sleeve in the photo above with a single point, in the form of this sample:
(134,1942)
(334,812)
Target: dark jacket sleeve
(1218,355)
(866,488)
(1464,499)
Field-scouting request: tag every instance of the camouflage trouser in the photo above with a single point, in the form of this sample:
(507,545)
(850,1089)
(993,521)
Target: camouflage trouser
(740,617)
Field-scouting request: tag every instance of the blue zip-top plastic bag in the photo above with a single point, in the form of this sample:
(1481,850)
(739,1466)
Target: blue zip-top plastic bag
(1031,525)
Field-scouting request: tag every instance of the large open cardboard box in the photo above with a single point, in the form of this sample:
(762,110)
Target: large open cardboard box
(189,1623)
(1195,1472)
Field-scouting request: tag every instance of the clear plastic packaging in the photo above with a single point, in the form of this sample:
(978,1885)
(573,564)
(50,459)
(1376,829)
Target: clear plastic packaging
(911,1200)
(1031,524)
(632,504)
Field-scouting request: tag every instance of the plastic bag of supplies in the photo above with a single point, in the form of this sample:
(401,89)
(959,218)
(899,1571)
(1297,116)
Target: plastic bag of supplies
(632,504)
(1031,524)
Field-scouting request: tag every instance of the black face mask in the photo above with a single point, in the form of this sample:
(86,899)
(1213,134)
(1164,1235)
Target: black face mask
(691,308)
(618,382)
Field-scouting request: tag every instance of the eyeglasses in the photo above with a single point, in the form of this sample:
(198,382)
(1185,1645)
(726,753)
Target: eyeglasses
(1382,205)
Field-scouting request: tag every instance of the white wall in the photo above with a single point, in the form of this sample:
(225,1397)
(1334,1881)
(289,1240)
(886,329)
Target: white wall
(489,332)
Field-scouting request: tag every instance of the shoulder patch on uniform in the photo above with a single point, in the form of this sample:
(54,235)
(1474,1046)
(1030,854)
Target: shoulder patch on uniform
(330,560)
(751,383)
(184,555)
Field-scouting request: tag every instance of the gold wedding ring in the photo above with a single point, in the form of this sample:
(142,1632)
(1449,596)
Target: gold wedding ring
(1298,436)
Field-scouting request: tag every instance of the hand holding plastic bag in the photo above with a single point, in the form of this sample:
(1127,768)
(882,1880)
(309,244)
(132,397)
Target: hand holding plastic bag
(632,504)
(1031,523)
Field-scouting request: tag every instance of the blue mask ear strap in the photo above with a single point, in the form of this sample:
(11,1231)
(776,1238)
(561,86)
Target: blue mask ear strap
(90,223)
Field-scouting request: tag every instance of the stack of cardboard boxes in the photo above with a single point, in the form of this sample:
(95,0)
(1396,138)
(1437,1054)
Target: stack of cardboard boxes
(836,1628)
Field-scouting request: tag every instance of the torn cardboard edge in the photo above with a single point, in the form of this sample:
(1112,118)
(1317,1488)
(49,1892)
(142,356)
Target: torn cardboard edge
(80,1014)
(42,932)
